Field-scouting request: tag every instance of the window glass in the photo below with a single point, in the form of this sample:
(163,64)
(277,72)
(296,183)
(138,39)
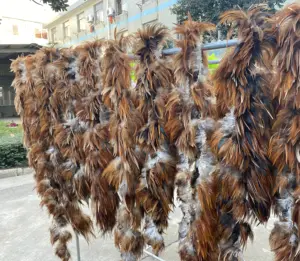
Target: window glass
(53,34)
(66,29)
(98,10)
(119,7)
(15,30)
(80,22)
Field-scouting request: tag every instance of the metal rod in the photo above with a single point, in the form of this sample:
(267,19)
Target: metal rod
(78,247)
(135,57)
(152,255)
(171,51)
(214,62)
(220,45)
(205,47)
(132,56)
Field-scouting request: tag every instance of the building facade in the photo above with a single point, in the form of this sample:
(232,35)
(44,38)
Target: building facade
(89,19)
(20,31)
(18,36)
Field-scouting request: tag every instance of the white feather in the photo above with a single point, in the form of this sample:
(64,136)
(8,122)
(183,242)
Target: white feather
(22,67)
(298,153)
(228,123)
(183,164)
(150,231)
(128,256)
(80,172)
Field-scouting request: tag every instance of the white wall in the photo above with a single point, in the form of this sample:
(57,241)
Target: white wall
(138,14)
(25,33)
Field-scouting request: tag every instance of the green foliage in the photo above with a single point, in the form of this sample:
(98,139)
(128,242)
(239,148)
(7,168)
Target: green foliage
(213,57)
(210,10)
(12,155)
(56,5)
(132,72)
(12,152)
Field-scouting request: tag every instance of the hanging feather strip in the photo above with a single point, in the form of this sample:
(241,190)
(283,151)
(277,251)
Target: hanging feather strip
(284,144)
(123,172)
(156,186)
(240,189)
(188,110)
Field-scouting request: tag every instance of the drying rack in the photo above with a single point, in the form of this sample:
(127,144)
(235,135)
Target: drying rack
(171,51)
(145,251)
(205,47)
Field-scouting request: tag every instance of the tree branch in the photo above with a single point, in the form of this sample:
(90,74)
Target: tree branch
(36,2)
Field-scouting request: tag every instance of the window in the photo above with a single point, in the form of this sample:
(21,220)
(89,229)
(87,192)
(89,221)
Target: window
(98,12)
(118,7)
(1,96)
(6,96)
(10,100)
(53,35)
(66,29)
(15,30)
(37,33)
(44,34)
(80,22)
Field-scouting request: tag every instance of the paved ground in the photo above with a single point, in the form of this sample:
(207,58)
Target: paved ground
(7,173)
(24,232)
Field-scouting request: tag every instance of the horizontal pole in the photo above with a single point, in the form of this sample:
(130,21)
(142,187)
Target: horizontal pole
(171,51)
(205,47)
(220,45)
(132,56)
(153,256)
(214,62)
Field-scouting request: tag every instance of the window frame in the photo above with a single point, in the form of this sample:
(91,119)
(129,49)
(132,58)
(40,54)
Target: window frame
(1,96)
(96,19)
(54,34)
(64,29)
(79,22)
(118,4)
(37,33)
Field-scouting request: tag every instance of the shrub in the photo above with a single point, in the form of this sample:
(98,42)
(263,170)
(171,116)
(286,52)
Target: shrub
(12,152)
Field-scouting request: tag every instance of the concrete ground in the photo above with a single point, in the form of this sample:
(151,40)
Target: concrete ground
(7,173)
(24,234)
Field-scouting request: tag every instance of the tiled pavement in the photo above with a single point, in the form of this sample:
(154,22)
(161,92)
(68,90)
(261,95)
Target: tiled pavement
(24,234)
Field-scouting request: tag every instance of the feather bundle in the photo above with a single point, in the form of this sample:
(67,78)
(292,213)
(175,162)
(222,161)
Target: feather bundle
(284,143)
(228,145)
(123,171)
(156,185)
(188,110)
(241,186)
